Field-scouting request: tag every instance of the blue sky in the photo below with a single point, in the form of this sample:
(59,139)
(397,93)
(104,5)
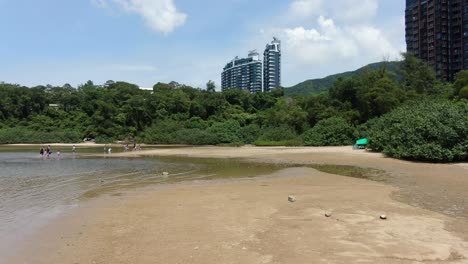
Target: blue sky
(149,41)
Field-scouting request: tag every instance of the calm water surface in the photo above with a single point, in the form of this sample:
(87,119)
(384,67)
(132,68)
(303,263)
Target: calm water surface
(34,190)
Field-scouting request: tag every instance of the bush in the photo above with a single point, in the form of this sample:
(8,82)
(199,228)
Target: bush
(193,136)
(24,135)
(334,131)
(250,133)
(278,136)
(104,140)
(289,143)
(225,132)
(161,133)
(434,131)
(282,133)
(463,93)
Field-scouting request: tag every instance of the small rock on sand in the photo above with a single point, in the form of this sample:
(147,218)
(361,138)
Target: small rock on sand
(383,217)
(328,214)
(165,173)
(291,198)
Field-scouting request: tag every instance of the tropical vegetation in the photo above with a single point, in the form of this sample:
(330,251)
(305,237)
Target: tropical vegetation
(405,112)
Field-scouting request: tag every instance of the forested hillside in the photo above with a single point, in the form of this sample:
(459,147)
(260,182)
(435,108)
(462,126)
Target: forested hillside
(412,117)
(317,86)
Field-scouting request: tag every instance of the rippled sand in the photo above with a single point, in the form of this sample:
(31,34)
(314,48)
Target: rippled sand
(251,220)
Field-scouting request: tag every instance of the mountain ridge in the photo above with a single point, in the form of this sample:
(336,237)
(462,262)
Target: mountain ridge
(321,85)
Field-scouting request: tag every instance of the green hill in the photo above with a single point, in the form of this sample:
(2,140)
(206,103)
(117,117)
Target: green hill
(317,86)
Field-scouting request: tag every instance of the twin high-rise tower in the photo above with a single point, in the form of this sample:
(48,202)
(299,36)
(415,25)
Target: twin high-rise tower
(437,32)
(251,74)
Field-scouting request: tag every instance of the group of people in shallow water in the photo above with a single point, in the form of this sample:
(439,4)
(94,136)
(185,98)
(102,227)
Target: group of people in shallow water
(46,152)
(126,148)
(135,147)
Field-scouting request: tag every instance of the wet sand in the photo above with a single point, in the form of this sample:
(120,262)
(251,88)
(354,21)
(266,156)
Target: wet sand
(251,220)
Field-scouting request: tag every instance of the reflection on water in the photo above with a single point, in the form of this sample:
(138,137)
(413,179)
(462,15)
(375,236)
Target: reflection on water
(33,190)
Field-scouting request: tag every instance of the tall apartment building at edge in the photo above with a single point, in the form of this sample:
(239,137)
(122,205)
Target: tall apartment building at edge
(243,73)
(251,74)
(272,65)
(437,32)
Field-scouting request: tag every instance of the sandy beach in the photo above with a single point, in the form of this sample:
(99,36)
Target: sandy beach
(251,220)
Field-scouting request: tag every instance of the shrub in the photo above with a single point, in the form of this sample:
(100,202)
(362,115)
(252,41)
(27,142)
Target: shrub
(278,136)
(193,136)
(463,93)
(161,132)
(334,131)
(289,143)
(225,132)
(250,133)
(282,133)
(24,135)
(434,131)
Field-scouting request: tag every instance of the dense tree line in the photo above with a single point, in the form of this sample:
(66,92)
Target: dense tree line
(174,113)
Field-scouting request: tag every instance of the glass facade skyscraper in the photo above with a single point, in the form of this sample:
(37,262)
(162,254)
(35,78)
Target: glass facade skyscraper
(272,65)
(243,73)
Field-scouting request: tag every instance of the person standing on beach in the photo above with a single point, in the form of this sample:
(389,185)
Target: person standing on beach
(58,154)
(42,152)
(49,151)
(73,149)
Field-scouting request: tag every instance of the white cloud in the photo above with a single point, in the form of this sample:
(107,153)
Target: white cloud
(354,10)
(320,37)
(342,10)
(304,8)
(159,15)
(333,44)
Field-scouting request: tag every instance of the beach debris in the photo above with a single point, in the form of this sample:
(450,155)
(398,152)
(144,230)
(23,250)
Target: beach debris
(328,214)
(291,198)
(383,217)
(165,173)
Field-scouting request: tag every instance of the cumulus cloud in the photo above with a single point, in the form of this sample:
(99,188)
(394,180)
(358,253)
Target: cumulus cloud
(342,10)
(354,10)
(159,15)
(325,37)
(304,8)
(330,43)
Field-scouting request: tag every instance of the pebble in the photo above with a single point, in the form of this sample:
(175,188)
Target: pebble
(291,198)
(383,217)
(328,214)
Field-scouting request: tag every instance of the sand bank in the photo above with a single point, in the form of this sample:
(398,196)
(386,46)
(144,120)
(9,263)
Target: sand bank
(251,220)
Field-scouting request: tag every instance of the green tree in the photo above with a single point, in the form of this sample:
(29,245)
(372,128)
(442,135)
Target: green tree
(334,131)
(210,86)
(418,75)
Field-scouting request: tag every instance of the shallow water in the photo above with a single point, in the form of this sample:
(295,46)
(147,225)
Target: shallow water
(34,190)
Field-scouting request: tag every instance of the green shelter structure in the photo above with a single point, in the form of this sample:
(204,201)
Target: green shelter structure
(361,143)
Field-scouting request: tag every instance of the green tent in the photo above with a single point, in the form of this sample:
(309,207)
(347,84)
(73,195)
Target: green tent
(362,142)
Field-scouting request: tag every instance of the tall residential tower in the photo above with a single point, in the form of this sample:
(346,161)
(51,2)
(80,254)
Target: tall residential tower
(243,73)
(272,65)
(437,32)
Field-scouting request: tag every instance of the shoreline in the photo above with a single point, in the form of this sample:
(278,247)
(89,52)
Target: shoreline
(356,203)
